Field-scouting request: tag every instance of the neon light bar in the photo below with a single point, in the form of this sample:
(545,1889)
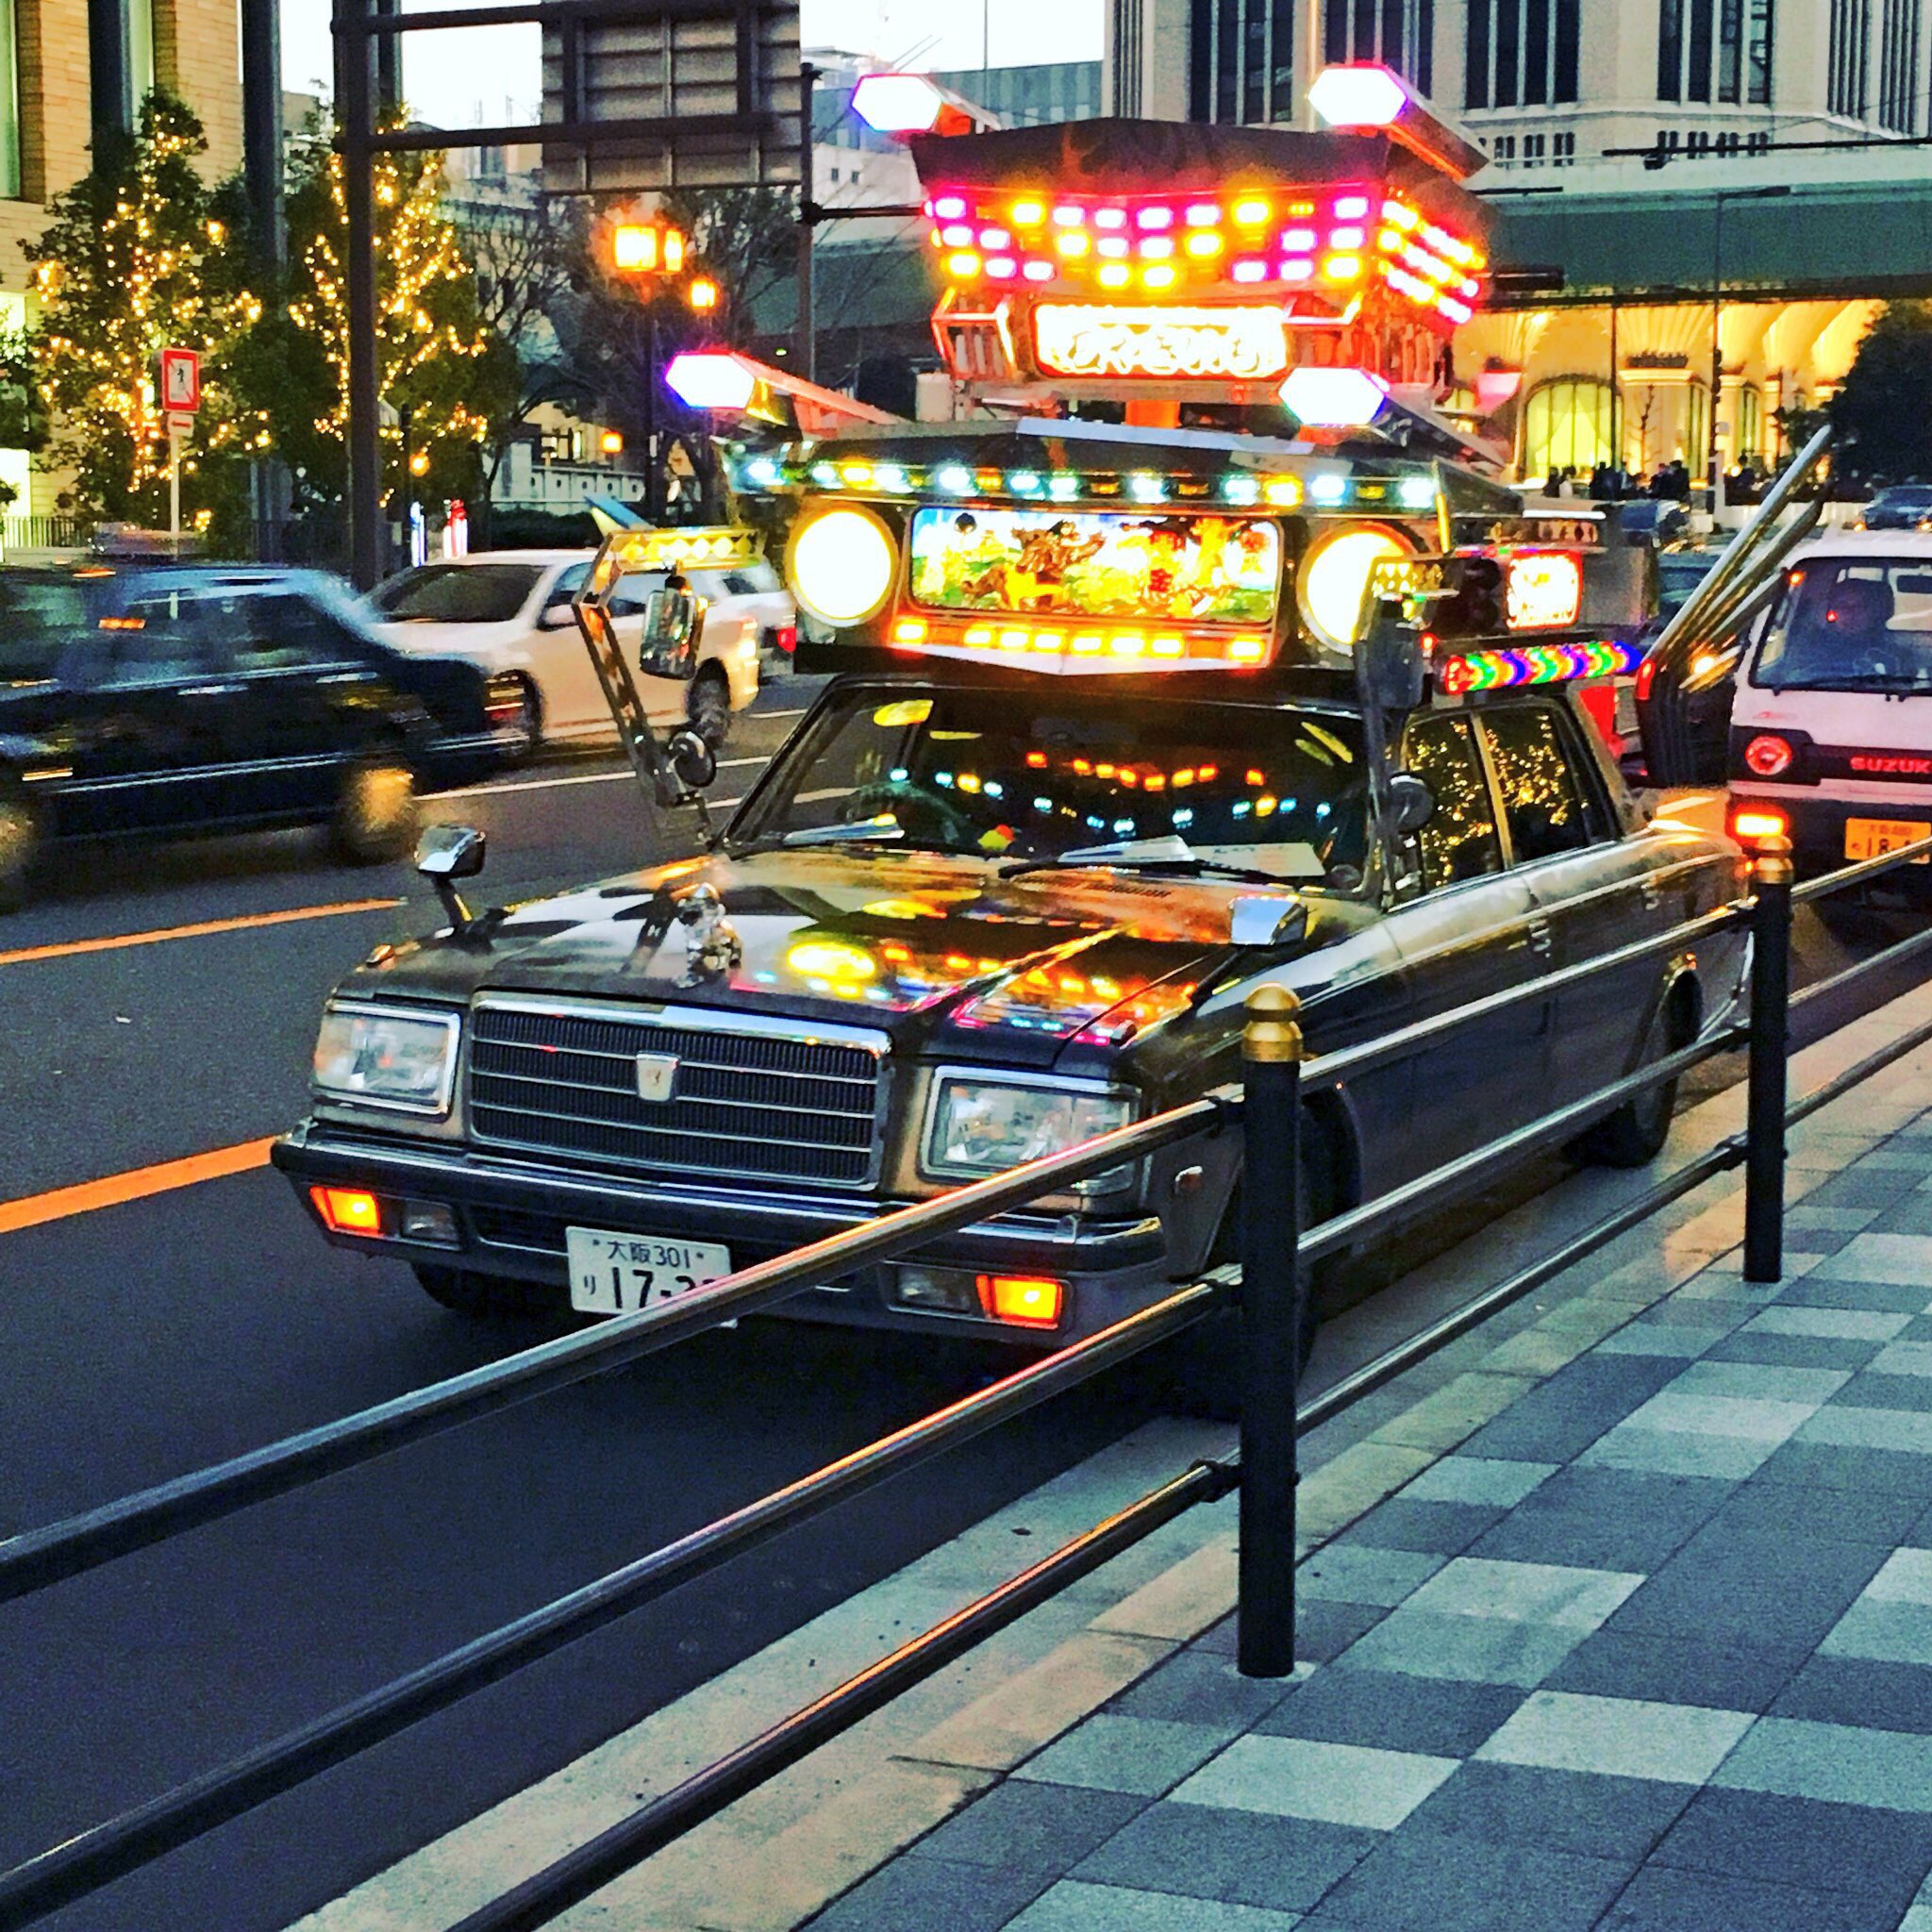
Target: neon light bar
(1481,671)
(1130,645)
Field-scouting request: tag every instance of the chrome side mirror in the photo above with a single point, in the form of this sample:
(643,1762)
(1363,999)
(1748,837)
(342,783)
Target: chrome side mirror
(692,758)
(447,853)
(1411,804)
(1257,920)
(673,619)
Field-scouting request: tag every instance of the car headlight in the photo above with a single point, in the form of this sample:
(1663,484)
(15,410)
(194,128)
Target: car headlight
(986,1126)
(376,1056)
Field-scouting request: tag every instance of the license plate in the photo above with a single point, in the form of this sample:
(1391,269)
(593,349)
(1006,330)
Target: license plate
(1875,838)
(619,1274)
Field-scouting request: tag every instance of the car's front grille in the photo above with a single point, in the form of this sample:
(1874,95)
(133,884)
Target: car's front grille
(748,1098)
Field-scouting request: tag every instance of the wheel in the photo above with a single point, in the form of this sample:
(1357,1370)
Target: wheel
(1201,1375)
(1635,1134)
(20,844)
(375,818)
(482,1296)
(709,706)
(516,708)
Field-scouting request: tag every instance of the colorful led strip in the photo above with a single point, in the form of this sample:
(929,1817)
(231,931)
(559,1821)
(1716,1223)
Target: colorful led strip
(1480,671)
(1139,646)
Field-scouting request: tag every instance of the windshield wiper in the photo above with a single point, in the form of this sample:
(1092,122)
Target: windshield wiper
(860,831)
(1167,855)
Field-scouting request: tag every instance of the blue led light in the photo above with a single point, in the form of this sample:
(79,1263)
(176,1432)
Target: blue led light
(1321,811)
(1327,488)
(956,481)
(1417,492)
(1123,826)
(1097,824)
(1042,805)
(899,774)
(1024,483)
(1063,488)
(943,778)
(825,474)
(1185,816)
(1242,490)
(761,472)
(891,478)
(994,789)
(1241,809)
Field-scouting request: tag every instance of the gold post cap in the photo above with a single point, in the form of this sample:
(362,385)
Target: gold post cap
(1770,862)
(1272,1033)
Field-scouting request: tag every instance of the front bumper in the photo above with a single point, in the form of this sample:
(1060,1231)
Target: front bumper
(511,1214)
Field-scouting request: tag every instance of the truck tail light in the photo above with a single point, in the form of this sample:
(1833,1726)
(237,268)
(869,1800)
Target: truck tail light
(1646,677)
(786,638)
(1767,756)
(1752,822)
(1023,1301)
(350,1210)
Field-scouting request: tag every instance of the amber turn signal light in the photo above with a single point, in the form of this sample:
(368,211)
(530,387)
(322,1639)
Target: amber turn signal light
(1024,1301)
(348,1211)
(1754,823)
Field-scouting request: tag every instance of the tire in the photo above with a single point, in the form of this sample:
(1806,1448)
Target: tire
(482,1296)
(1201,1374)
(1634,1135)
(20,845)
(709,706)
(375,818)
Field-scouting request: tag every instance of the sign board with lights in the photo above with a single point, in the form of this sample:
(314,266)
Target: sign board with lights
(1151,569)
(692,547)
(1543,590)
(1246,344)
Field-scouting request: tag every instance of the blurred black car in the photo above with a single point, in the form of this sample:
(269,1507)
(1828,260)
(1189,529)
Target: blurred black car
(155,699)
(1900,506)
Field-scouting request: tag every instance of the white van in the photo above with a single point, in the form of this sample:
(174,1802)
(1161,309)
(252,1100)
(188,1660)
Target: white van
(1831,731)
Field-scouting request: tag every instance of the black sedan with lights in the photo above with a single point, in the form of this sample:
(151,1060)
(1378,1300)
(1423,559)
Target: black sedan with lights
(167,699)
(967,919)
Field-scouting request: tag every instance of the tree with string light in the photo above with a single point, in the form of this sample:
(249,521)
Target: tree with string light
(136,260)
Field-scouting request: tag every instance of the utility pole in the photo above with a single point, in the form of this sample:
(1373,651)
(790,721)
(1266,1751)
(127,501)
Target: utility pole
(261,165)
(807,347)
(355,109)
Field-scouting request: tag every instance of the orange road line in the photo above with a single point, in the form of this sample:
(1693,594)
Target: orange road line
(68,948)
(136,1183)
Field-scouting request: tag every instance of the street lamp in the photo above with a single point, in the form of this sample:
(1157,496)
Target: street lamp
(655,253)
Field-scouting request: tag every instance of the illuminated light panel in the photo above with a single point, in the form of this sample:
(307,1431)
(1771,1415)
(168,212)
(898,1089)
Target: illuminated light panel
(1342,268)
(1249,271)
(1073,244)
(979,634)
(995,239)
(1752,822)
(825,476)
(898,104)
(1242,490)
(1022,1301)
(1147,488)
(1127,643)
(1063,488)
(1203,245)
(348,1211)
(1024,483)
(1334,398)
(1202,214)
(1475,671)
(1358,97)
(1067,216)
(1027,214)
(1049,641)
(1283,492)
(1299,240)
(1114,247)
(954,480)
(711,381)
(1156,247)
(1349,239)
(1039,271)
(957,235)
(1247,651)
(963,265)
(1417,492)
(1300,270)
(1164,647)
(1154,218)
(1110,218)
(949,208)
(1113,275)
(856,475)
(1399,214)
(1328,489)
(1352,207)
(1335,573)
(908,630)
(1002,268)
(1251,212)
(1013,641)
(1160,275)
(842,563)
(1543,590)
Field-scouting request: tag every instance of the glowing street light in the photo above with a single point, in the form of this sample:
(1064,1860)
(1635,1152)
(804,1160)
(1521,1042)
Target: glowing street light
(702,293)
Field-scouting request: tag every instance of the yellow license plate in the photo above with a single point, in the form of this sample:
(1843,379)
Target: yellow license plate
(1874,838)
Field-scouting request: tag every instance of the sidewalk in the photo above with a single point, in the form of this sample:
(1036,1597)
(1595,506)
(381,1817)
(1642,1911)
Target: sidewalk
(1641,1637)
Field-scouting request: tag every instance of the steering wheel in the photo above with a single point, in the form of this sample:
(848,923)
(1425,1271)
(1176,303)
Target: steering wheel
(921,815)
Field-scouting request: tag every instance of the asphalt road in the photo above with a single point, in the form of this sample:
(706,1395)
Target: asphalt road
(171,1327)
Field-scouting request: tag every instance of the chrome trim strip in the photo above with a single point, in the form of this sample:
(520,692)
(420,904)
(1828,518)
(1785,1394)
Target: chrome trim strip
(698,1019)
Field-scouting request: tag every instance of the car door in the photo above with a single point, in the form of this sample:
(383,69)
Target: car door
(574,698)
(147,722)
(1591,886)
(1472,929)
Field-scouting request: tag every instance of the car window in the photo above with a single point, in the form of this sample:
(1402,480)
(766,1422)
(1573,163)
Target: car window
(456,593)
(634,590)
(280,632)
(570,581)
(1543,801)
(1850,624)
(746,583)
(161,639)
(38,618)
(1459,840)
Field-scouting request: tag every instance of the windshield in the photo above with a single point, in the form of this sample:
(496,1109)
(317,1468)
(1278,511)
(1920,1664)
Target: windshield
(456,593)
(1851,624)
(988,772)
(38,615)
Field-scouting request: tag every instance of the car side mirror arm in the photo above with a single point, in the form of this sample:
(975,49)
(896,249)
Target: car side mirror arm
(446,854)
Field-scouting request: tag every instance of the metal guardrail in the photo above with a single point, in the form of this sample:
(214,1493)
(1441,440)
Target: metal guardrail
(1272,1254)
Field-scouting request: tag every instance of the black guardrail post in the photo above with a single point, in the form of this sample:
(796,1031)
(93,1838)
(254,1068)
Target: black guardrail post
(1770,998)
(1270,1329)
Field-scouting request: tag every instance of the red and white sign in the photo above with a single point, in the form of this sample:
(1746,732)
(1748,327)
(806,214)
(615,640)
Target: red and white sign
(180,379)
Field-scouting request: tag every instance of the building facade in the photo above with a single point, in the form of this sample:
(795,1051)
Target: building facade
(57,80)
(1546,83)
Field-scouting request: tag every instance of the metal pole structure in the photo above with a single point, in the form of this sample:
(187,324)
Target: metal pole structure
(389,66)
(807,345)
(1770,996)
(1616,393)
(110,89)
(353,85)
(1270,1329)
(654,488)
(1717,349)
(262,130)
(174,491)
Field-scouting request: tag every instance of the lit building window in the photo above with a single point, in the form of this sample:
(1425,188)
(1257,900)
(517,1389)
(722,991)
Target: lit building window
(140,50)
(1566,425)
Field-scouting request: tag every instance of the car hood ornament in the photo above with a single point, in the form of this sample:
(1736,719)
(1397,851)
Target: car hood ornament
(712,947)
